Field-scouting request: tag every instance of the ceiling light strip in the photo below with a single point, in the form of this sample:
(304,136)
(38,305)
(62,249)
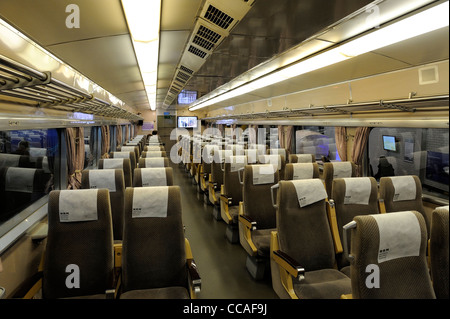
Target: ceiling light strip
(143,18)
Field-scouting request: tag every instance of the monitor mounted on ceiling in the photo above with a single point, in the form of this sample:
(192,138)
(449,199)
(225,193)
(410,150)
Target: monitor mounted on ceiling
(187,122)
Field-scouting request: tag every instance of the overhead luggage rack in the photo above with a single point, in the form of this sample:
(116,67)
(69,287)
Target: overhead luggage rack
(23,85)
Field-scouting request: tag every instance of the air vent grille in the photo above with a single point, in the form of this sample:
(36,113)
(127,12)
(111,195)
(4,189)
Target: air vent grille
(185,69)
(197,52)
(183,76)
(203,43)
(218,17)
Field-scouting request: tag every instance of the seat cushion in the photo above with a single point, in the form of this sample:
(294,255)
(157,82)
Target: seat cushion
(157,293)
(261,239)
(323,284)
(234,213)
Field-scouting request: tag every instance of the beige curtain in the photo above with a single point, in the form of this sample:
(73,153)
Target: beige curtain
(105,141)
(118,136)
(289,134)
(359,146)
(341,142)
(281,137)
(75,155)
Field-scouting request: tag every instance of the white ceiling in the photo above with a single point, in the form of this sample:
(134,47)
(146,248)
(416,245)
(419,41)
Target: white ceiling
(101,48)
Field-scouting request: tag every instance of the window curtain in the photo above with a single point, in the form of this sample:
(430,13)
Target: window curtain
(289,135)
(119,136)
(359,146)
(340,134)
(281,136)
(105,141)
(75,155)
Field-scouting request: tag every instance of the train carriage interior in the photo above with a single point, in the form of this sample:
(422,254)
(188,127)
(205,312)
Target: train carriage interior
(224,149)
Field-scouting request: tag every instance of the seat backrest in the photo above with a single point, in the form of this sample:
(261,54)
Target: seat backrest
(302,158)
(401,193)
(80,235)
(258,179)
(439,252)
(353,196)
(131,148)
(113,180)
(232,186)
(301,171)
(394,246)
(332,170)
(217,164)
(129,155)
(157,176)
(152,162)
(118,163)
(302,223)
(153,245)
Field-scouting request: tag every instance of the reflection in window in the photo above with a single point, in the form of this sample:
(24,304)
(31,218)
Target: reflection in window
(411,151)
(317,140)
(27,160)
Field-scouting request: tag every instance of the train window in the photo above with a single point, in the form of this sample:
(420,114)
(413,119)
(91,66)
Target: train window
(411,151)
(317,140)
(27,162)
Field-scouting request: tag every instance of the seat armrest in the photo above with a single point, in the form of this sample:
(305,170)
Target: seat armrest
(331,212)
(227,200)
(247,222)
(194,275)
(195,282)
(289,264)
(381,206)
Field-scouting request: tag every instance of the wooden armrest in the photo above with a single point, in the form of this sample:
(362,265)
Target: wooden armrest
(331,212)
(194,276)
(247,222)
(117,255)
(381,206)
(289,264)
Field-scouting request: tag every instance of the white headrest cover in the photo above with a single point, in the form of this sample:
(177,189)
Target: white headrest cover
(124,154)
(153,176)
(309,191)
(113,163)
(150,202)
(102,178)
(304,158)
(127,149)
(342,169)
(9,160)
(19,179)
(357,190)
(78,205)
(236,162)
(252,155)
(273,159)
(263,174)
(154,162)
(154,154)
(399,235)
(404,188)
(303,170)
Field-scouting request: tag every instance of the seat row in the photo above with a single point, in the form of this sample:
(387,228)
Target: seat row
(127,242)
(247,203)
